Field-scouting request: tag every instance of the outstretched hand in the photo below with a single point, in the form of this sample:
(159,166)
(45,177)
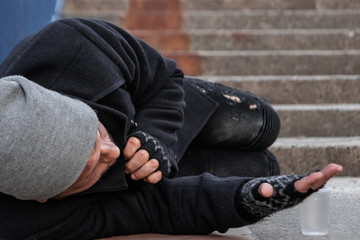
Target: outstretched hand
(312,181)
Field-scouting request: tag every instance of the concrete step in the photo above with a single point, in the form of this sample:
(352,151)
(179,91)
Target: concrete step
(116,17)
(271,19)
(246,4)
(302,155)
(263,39)
(292,89)
(273,4)
(134,14)
(275,39)
(279,62)
(314,120)
(95,5)
(157,20)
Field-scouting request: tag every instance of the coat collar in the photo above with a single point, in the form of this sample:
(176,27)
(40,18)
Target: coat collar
(117,125)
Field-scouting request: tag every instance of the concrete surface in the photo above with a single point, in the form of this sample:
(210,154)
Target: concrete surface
(307,154)
(271,19)
(319,120)
(279,62)
(297,89)
(270,39)
(273,4)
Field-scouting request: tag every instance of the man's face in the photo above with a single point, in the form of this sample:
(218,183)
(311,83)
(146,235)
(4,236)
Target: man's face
(103,155)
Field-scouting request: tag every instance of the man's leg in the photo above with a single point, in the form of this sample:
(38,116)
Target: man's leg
(234,140)
(242,120)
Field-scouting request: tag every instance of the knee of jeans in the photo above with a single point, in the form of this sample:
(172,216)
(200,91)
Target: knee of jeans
(270,129)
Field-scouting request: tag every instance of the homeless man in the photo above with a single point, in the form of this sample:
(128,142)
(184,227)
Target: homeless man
(101,160)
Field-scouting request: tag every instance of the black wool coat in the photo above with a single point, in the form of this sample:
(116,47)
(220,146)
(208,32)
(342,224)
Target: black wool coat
(132,88)
(130,84)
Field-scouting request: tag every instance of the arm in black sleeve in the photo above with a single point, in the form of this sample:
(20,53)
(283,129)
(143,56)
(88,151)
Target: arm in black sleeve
(154,83)
(160,112)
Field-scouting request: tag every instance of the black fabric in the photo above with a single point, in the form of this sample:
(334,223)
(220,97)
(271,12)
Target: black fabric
(199,109)
(188,205)
(226,162)
(252,206)
(155,150)
(242,120)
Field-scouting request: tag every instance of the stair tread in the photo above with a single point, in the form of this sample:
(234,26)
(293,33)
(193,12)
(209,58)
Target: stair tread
(95,13)
(229,13)
(284,77)
(317,107)
(265,52)
(276,12)
(273,4)
(315,142)
(272,31)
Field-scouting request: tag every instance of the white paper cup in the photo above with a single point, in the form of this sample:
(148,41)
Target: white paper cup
(314,213)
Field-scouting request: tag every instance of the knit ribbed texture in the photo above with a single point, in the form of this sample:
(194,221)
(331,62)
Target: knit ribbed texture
(155,150)
(46,139)
(251,205)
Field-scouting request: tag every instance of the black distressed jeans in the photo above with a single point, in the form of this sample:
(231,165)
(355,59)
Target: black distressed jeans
(235,139)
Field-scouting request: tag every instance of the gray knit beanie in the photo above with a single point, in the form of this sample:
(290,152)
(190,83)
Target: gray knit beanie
(46,139)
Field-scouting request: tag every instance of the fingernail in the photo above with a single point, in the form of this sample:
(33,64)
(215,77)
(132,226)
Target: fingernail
(133,177)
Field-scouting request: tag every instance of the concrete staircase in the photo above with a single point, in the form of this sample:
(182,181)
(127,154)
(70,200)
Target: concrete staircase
(303,56)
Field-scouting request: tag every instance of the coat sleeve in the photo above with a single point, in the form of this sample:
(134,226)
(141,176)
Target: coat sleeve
(154,83)
(92,60)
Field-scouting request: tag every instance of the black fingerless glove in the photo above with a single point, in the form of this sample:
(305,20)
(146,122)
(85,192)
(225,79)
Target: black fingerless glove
(155,150)
(251,205)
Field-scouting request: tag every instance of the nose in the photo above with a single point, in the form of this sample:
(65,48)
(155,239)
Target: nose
(109,152)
